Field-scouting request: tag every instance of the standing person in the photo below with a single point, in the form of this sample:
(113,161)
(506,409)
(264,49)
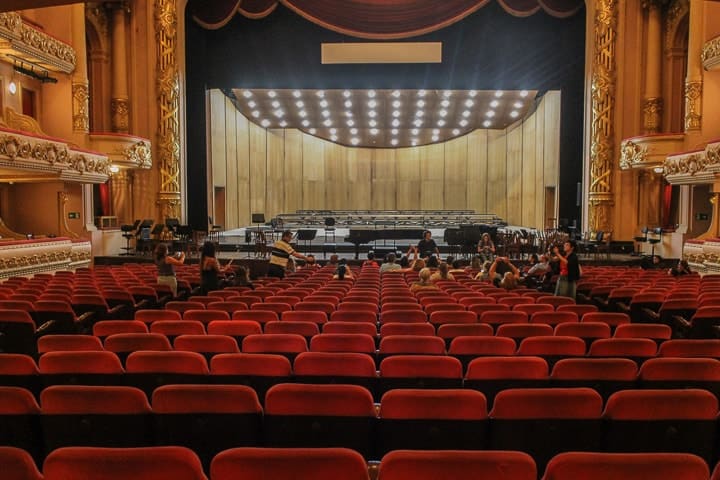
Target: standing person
(569,270)
(210,268)
(279,255)
(486,247)
(427,245)
(166,266)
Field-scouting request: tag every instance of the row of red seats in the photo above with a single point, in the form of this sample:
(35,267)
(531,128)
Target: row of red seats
(178,463)
(541,422)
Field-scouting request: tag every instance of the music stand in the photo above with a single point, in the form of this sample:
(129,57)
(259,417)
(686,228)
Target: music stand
(306,236)
(128,234)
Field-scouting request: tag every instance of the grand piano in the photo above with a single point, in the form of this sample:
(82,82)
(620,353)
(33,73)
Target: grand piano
(361,236)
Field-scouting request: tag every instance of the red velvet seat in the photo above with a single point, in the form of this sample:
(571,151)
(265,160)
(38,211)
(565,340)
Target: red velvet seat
(460,465)
(607,466)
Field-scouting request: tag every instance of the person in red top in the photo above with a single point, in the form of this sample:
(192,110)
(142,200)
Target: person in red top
(370,262)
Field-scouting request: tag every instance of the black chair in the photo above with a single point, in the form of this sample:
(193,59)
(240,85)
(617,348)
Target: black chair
(639,241)
(654,241)
(129,232)
(330,244)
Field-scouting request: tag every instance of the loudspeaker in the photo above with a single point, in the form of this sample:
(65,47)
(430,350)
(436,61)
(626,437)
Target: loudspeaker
(578,195)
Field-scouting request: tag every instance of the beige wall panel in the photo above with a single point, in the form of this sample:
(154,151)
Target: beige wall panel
(313,173)
(217,136)
(530,201)
(540,165)
(497,188)
(292,179)
(477,171)
(231,179)
(456,158)
(552,137)
(275,191)
(384,179)
(258,168)
(513,176)
(432,173)
(359,176)
(408,178)
(336,177)
(243,169)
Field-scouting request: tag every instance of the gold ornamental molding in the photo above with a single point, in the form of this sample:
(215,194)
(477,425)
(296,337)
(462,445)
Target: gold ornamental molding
(24,41)
(63,226)
(652,114)
(696,167)
(693,105)
(120,113)
(711,54)
(600,199)
(122,150)
(24,123)
(51,157)
(676,12)
(27,257)
(648,151)
(81,112)
(168,86)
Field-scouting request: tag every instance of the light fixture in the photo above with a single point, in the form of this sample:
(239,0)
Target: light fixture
(275,104)
(524,93)
(418,122)
(442,113)
(499,93)
(114,169)
(494,104)
(372,103)
(302,113)
(490,113)
(265,123)
(487,123)
(441,123)
(447,93)
(456,131)
(463,123)
(371,93)
(333,138)
(372,113)
(333,131)
(348,104)
(517,104)
(313,131)
(283,124)
(324,104)
(514,114)
(396,104)
(320,93)
(659,169)
(350,123)
(396,93)
(436,131)
(421,103)
(256,114)
(272,94)
(251,104)
(415,131)
(435,138)
(421,93)
(296,93)
(394,141)
(278,113)
(300,104)
(327,122)
(414,142)
(466,113)
(306,123)
(445,103)
(346,94)
(396,113)
(396,123)
(373,131)
(394,131)
(473,93)
(348,114)
(355,141)
(325,113)
(469,103)
(353,131)
(247,93)
(419,113)
(372,123)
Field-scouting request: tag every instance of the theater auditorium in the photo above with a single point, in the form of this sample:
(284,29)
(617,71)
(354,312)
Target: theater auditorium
(359,239)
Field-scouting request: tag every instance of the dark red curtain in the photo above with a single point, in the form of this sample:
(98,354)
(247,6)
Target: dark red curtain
(381,19)
(666,202)
(104,189)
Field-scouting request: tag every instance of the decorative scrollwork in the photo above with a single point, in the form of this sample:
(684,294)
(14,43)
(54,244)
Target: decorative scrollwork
(631,154)
(28,40)
(81,115)
(652,114)
(120,111)
(693,105)
(711,53)
(139,154)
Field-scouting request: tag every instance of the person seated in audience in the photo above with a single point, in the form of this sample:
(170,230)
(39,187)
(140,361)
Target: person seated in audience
(242,278)
(510,279)
(310,263)
(405,263)
(433,261)
(443,273)
(417,265)
(370,262)
(539,266)
(210,269)
(343,271)
(651,263)
(476,263)
(486,247)
(166,266)
(334,261)
(682,268)
(389,265)
(423,282)
(456,267)
(484,273)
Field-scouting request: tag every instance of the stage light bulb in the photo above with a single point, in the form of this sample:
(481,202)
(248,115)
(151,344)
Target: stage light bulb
(517,104)
(422,93)
(355,141)
(372,104)
(313,131)
(447,93)
(418,122)
(469,103)
(524,93)
(348,114)
(490,113)
(347,94)
(436,131)
(333,131)
(256,114)
(306,123)
(283,124)
(272,94)
(327,122)
(421,103)
(333,138)
(499,93)
(435,138)
(487,123)
(466,113)
(514,114)
(419,113)
(114,169)
(278,113)
(300,104)
(348,104)
(445,103)
(441,123)
(396,113)
(265,123)
(246,93)
(396,123)
(372,114)
(473,93)
(456,131)
(494,104)
(275,104)
(324,104)
(320,93)
(302,113)
(415,131)
(414,142)
(463,123)
(371,93)
(353,131)
(372,123)
(396,104)
(394,131)
(251,104)
(442,113)
(373,131)
(394,141)
(296,93)
(350,123)
(326,113)
(396,93)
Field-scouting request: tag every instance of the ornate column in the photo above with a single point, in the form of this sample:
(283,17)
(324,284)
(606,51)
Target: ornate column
(120,105)
(80,86)
(600,199)
(653,102)
(168,91)
(693,80)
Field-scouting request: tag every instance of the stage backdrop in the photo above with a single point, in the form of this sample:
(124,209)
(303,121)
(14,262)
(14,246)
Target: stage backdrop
(505,172)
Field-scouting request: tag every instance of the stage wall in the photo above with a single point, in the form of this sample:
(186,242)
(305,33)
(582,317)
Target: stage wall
(273,171)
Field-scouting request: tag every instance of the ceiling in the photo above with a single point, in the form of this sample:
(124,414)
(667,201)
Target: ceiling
(12,5)
(384,118)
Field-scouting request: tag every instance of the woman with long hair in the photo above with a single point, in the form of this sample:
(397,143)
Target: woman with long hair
(423,281)
(166,266)
(443,273)
(486,247)
(210,268)
(242,278)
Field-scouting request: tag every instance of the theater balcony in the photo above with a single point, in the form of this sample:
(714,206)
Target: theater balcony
(711,54)
(27,257)
(648,151)
(122,150)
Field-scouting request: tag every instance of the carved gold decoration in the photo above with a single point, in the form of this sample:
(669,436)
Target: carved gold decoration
(652,114)
(7,232)
(693,105)
(120,111)
(631,154)
(603,106)
(27,41)
(81,115)
(63,226)
(139,154)
(677,11)
(168,83)
(711,54)
(25,123)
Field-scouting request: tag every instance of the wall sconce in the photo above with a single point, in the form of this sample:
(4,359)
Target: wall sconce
(658,169)
(12,87)
(114,169)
